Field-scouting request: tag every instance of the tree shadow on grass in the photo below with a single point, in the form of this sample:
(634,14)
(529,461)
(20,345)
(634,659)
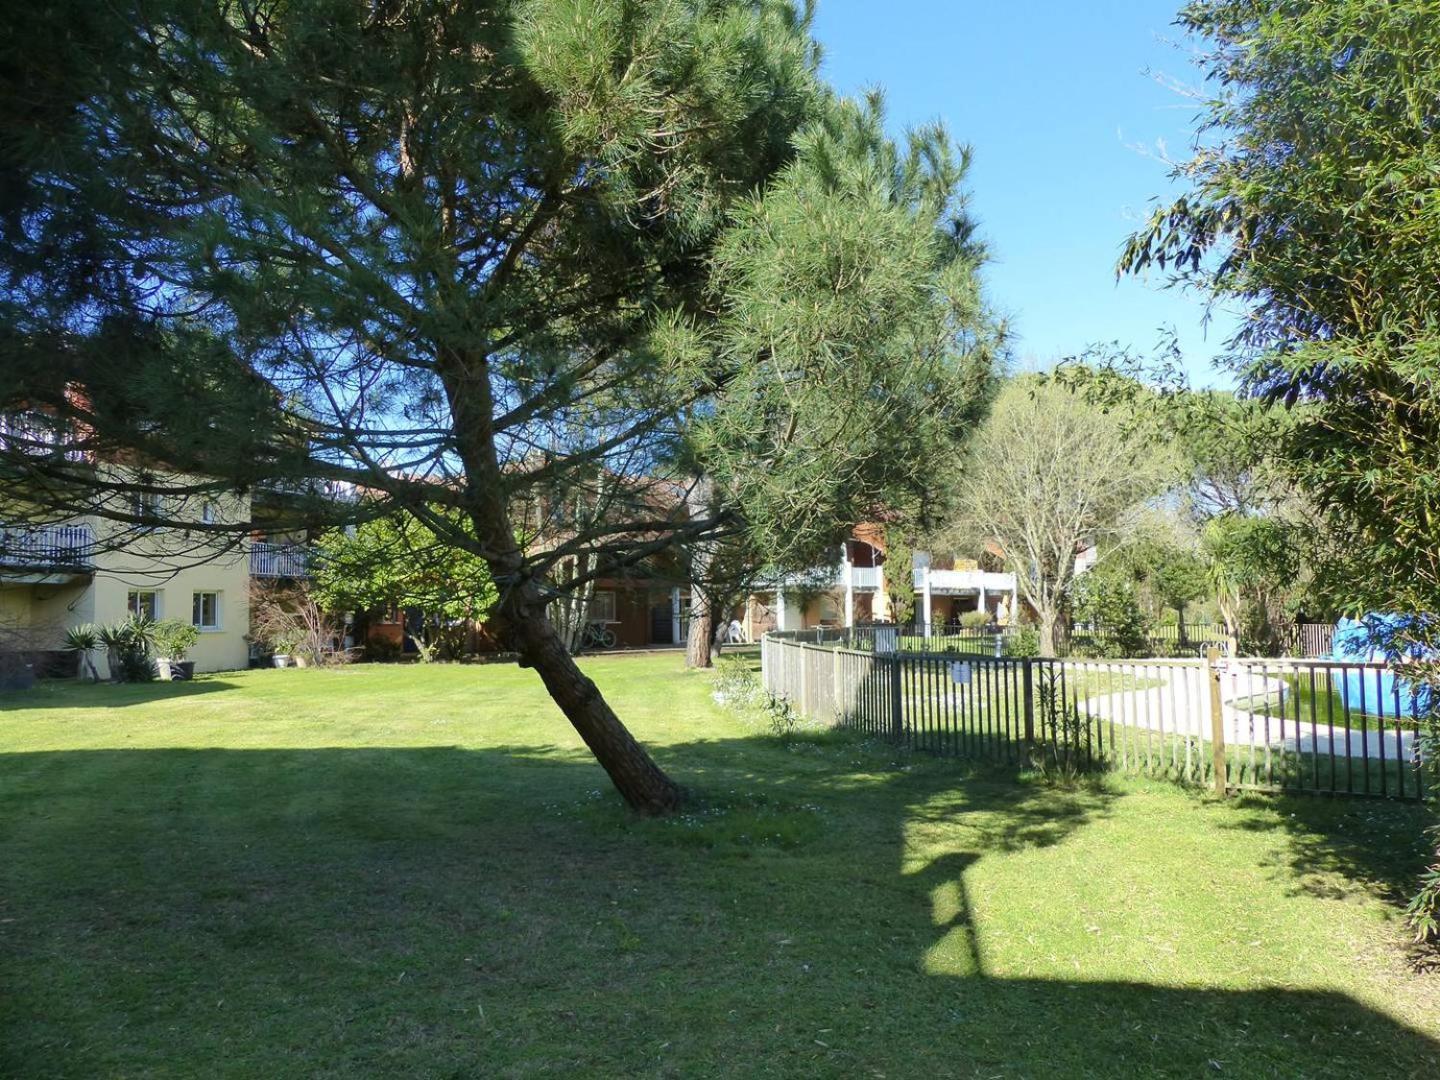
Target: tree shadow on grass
(67,694)
(451,912)
(1342,847)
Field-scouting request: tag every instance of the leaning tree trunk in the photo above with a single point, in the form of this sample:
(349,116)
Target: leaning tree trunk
(641,782)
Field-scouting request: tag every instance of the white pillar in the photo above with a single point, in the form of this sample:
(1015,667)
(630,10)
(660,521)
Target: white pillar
(847,576)
(927,603)
(780,608)
(982,594)
(675,629)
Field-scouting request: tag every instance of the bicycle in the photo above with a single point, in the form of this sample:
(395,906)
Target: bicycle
(598,636)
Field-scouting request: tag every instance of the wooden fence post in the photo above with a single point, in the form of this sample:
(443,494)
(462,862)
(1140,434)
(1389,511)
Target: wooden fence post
(1217,720)
(804,681)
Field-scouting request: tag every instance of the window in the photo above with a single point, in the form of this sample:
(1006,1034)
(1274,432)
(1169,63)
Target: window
(602,607)
(143,603)
(207,514)
(206,611)
(145,505)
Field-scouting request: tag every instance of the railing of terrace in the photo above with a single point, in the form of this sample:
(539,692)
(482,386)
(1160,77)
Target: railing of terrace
(279,560)
(47,546)
(1265,725)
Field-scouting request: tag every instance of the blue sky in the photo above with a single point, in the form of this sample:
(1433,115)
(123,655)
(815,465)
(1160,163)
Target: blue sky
(1054,97)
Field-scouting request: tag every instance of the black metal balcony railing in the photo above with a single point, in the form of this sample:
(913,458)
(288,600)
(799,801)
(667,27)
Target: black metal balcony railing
(279,561)
(47,546)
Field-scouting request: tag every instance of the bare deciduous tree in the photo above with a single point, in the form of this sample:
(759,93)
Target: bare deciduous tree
(1048,474)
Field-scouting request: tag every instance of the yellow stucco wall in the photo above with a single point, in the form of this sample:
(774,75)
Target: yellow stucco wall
(175,563)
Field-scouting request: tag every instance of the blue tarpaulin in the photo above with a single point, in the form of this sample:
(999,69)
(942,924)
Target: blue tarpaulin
(1374,638)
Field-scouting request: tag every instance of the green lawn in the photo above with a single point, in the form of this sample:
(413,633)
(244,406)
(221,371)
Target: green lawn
(419,872)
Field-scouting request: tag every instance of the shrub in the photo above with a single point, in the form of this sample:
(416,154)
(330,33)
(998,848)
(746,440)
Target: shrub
(1423,911)
(738,686)
(290,622)
(1022,642)
(1065,733)
(174,639)
(975,620)
(84,640)
(128,645)
(382,652)
(1110,606)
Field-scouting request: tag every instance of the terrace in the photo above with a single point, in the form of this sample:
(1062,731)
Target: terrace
(46,550)
(279,560)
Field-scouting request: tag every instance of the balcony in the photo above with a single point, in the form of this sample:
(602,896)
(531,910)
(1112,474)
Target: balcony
(47,548)
(964,582)
(279,561)
(309,488)
(862,578)
(36,434)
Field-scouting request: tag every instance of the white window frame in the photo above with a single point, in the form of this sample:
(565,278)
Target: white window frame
(207,513)
(594,612)
(132,601)
(219,623)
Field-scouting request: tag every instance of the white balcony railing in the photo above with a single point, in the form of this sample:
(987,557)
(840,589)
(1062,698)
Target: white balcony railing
(47,546)
(279,561)
(965,582)
(35,434)
(864,577)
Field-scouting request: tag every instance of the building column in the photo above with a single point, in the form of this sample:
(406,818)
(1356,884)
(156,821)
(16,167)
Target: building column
(982,594)
(675,627)
(927,599)
(848,573)
(780,608)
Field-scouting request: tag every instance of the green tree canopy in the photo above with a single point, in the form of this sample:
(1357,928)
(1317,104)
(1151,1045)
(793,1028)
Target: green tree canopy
(480,260)
(1310,204)
(398,561)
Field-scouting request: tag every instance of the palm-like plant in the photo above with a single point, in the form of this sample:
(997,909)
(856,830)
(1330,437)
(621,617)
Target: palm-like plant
(84,639)
(128,645)
(141,629)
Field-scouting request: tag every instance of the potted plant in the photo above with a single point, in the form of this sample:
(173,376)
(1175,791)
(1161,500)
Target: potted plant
(285,643)
(173,641)
(84,640)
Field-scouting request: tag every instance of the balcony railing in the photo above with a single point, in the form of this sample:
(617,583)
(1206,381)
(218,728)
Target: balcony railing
(330,490)
(35,434)
(964,582)
(279,561)
(46,547)
(863,577)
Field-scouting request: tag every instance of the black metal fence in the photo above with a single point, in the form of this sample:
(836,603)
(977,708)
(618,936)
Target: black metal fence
(1271,725)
